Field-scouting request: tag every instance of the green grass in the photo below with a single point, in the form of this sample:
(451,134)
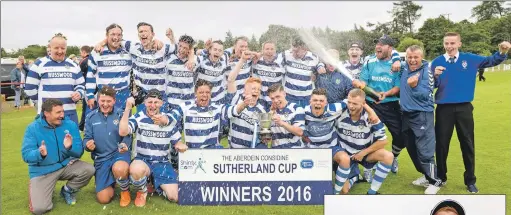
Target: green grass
(493,161)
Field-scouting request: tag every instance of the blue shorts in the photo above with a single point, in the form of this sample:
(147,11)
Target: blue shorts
(355,171)
(161,173)
(366,164)
(104,177)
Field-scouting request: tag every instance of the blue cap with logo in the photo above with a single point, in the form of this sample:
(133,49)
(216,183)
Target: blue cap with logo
(385,40)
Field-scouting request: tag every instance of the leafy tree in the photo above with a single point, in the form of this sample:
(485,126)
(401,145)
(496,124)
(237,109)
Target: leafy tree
(200,44)
(281,35)
(490,9)
(431,34)
(404,15)
(254,45)
(229,40)
(407,42)
(4,53)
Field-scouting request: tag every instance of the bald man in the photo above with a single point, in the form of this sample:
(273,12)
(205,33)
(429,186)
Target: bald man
(58,77)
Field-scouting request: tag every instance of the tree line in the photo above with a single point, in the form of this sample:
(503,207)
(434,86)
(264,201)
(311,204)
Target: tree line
(493,21)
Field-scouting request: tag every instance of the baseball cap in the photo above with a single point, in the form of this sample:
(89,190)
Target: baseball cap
(449,203)
(385,40)
(154,93)
(355,45)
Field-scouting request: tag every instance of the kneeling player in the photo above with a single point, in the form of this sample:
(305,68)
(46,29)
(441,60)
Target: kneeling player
(319,130)
(155,135)
(363,142)
(109,150)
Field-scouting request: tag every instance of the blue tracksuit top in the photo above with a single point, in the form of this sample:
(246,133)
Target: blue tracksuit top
(457,83)
(104,130)
(58,156)
(419,98)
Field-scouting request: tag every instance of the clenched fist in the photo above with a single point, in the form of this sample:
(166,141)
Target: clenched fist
(90,145)
(42,149)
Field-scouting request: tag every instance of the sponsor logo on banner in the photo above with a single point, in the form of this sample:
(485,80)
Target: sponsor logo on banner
(254,176)
(307,164)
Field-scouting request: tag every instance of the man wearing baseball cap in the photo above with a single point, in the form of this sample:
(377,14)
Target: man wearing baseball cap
(448,207)
(355,61)
(376,73)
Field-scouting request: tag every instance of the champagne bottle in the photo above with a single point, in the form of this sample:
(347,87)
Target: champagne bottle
(371,93)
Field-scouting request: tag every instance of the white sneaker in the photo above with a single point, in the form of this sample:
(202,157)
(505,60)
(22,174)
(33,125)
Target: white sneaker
(431,190)
(422,181)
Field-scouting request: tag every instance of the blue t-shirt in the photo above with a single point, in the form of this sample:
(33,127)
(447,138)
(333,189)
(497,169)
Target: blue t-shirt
(378,75)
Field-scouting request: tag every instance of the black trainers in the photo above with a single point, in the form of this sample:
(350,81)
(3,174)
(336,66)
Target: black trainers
(472,188)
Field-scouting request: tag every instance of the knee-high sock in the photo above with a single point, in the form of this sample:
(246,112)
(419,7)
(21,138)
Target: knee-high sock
(381,173)
(340,177)
(124,184)
(140,185)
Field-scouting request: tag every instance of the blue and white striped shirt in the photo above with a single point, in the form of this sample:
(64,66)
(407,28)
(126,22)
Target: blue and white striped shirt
(242,125)
(150,66)
(51,79)
(201,124)
(243,74)
(282,138)
(214,73)
(298,79)
(270,73)
(359,135)
(153,141)
(320,129)
(180,81)
(109,68)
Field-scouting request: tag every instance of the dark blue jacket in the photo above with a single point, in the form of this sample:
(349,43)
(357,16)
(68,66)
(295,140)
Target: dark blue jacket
(105,133)
(457,83)
(419,98)
(58,156)
(336,84)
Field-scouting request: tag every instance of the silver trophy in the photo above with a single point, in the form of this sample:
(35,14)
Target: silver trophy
(262,128)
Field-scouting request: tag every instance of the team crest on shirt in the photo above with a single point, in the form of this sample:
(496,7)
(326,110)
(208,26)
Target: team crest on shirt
(67,67)
(116,122)
(464,64)
(337,81)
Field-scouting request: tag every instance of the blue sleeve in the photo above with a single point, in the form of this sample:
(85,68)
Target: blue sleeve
(30,148)
(397,79)
(493,60)
(76,149)
(395,56)
(90,80)
(32,83)
(89,132)
(425,85)
(348,86)
(378,131)
(432,67)
(25,68)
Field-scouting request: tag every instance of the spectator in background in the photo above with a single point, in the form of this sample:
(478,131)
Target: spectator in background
(16,80)
(84,53)
(481,72)
(74,58)
(336,84)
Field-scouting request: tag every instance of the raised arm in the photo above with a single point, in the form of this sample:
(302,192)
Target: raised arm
(126,127)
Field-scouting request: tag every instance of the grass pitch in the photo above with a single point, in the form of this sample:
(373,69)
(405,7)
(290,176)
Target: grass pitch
(493,165)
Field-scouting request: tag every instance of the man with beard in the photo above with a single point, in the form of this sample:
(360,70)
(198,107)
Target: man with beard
(109,67)
(52,147)
(269,68)
(58,77)
(453,97)
(202,119)
(377,74)
(319,132)
(212,68)
(288,120)
(336,84)
(155,134)
(150,66)
(300,65)
(363,142)
(109,151)
(417,84)
(242,125)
